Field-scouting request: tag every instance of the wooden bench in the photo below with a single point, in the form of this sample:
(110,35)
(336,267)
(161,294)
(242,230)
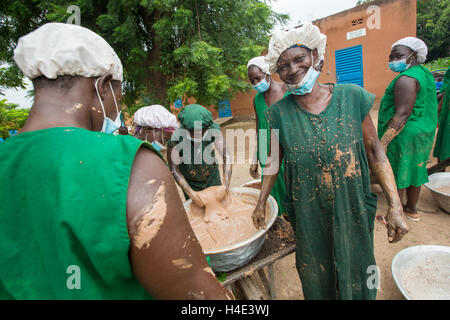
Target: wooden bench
(279,243)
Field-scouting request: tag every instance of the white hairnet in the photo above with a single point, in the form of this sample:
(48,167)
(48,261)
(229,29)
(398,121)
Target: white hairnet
(155,116)
(416,45)
(261,63)
(59,49)
(307,35)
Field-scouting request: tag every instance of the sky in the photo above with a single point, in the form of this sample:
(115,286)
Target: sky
(298,10)
(309,10)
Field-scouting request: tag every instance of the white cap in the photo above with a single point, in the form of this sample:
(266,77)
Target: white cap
(261,63)
(155,116)
(307,35)
(416,45)
(59,49)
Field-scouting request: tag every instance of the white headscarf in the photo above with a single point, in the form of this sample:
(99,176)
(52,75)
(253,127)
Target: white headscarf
(415,45)
(261,63)
(155,116)
(59,49)
(307,35)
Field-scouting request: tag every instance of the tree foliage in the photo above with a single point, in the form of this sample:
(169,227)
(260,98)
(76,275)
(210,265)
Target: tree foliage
(169,48)
(433,21)
(11,118)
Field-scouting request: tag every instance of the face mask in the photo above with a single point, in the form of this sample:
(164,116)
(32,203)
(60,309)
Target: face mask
(306,85)
(109,126)
(399,65)
(156,144)
(262,86)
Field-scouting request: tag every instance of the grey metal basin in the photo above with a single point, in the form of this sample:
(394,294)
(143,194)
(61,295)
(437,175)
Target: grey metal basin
(423,272)
(228,258)
(439,180)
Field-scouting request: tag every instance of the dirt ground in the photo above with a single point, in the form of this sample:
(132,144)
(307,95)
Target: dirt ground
(432,229)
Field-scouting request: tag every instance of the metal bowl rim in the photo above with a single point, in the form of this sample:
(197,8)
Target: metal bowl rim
(430,186)
(257,235)
(413,248)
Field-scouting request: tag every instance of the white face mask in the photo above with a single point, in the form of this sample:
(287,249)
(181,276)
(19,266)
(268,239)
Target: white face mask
(109,126)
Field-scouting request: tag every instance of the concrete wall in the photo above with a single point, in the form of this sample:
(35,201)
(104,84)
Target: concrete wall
(386,23)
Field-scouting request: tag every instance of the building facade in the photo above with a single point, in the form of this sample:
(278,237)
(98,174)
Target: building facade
(358,45)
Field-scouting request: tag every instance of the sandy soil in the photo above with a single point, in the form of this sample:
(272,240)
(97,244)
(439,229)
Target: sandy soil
(432,229)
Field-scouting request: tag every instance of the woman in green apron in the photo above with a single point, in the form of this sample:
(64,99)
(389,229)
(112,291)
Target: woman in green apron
(269,92)
(86,214)
(327,139)
(407,120)
(191,155)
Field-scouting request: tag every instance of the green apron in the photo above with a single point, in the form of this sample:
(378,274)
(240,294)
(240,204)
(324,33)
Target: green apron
(409,151)
(442,147)
(199,176)
(63,226)
(329,201)
(278,190)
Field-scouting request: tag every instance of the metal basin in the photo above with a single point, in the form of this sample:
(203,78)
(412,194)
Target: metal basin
(423,272)
(231,257)
(440,180)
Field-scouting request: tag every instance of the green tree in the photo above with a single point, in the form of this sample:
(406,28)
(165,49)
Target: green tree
(433,20)
(169,48)
(11,118)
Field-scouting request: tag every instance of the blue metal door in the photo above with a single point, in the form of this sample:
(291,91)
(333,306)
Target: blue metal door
(349,65)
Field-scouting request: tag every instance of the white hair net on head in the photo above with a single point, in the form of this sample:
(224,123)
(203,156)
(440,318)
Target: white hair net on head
(261,63)
(416,45)
(155,116)
(307,35)
(60,49)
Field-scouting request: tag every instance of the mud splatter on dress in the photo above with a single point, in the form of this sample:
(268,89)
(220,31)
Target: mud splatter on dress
(329,201)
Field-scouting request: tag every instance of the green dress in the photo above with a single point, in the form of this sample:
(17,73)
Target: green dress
(329,201)
(442,147)
(409,151)
(198,174)
(278,190)
(63,226)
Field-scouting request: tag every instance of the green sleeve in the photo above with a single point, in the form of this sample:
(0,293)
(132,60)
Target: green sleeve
(366,102)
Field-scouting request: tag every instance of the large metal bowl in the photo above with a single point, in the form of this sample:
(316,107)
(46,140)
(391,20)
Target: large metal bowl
(423,272)
(439,180)
(231,257)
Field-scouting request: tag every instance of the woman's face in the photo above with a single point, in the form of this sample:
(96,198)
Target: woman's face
(255,75)
(400,52)
(294,63)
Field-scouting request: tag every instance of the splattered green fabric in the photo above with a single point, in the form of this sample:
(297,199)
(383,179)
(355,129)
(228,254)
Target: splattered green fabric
(63,199)
(278,190)
(408,152)
(329,201)
(195,114)
(442,147)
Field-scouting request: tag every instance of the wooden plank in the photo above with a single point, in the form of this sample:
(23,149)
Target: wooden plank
(259,264)
(222,121)
(262,275)
(272,290)
(250,289)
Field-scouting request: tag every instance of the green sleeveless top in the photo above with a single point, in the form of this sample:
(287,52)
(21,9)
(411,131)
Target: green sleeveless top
(408,152)
(63,226)
(279,190)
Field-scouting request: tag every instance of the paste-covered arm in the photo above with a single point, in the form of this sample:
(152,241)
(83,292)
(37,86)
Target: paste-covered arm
(172,158)
(221,146)
(405,92)
(380,166)
(166,257)
(271,172)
